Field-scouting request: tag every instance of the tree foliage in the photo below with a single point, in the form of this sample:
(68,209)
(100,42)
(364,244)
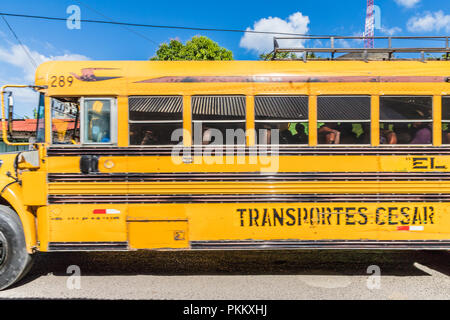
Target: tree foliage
(285,55)
(198,48)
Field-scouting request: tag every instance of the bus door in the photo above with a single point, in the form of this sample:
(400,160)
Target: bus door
(82,169)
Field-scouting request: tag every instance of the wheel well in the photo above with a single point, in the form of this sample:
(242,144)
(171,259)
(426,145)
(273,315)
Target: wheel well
(5,203)
(27,219)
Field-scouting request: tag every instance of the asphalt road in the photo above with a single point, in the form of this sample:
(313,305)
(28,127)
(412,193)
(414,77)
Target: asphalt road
(239,275)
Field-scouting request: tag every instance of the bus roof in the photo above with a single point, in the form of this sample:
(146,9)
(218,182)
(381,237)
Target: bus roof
(134,77)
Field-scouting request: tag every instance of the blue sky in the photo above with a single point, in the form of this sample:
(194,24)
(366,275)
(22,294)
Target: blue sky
(53,40)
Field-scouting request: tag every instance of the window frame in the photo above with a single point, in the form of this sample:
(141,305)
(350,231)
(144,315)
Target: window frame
(369,96)
(218,121)
(40,120)
(51,98)
(155,122)
(281,121)
(409,120)
(113,121)
(444,97)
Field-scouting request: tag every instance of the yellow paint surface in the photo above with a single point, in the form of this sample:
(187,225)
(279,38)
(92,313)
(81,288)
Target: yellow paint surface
(171,225)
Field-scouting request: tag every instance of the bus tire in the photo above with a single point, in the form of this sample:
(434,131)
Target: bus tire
(14,258)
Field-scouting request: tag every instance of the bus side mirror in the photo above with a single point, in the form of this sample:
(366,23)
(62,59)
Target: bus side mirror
(7,113)
(10,100)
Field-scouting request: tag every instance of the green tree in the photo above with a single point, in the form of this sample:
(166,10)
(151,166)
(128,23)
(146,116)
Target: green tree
(198,48)
(285,55)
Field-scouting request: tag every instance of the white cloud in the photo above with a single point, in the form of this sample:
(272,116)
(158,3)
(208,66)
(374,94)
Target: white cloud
(16,56)
(358,42)
(261,43)
(16,68)
(407,3)
(430,21)
(342,43)
(390,31)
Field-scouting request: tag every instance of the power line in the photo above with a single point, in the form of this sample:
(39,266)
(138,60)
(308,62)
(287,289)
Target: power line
(154,25)
(176,27)
(111,20)
(33,62)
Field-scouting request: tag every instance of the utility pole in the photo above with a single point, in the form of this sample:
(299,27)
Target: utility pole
(370,25)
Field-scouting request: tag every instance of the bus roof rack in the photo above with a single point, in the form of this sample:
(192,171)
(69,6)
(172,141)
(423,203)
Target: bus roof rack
(366,54)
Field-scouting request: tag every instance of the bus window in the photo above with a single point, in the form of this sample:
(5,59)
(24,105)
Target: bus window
(286,114)
(154,120)
(97,123)
(40,116)
(65,120)
(406,120)
(218,120)
(343,120)
(445,120)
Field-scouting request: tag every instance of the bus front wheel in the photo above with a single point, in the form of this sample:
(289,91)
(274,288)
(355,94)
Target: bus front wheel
(14,258)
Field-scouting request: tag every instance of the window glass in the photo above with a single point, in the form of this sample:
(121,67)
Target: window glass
(406,120)
(345,133)
(155,108)
(218,120)
(97,121)
(155,120)
(281,120)
(40,115)
(343,120)
(146,134)
(65,121)
(445,120)
(405,108)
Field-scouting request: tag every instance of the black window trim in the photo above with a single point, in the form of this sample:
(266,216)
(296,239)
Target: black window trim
(369,96)
(244,120)
(411,120)
(156,121)
(281,121)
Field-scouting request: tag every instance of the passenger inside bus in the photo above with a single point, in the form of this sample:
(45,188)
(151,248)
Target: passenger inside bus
(153,134)
(149,138)
(300,137)
(446,134)
(403,133)
(207,136)
(387,136)
(220,133)
(328,134)
(265,133)
(364,137)
(347,135)
(286,136)
(422,133)
(344,133)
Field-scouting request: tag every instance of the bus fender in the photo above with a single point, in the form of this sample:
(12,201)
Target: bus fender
(11,194)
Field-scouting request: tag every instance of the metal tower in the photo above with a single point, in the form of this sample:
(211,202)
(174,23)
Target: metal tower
(370,25)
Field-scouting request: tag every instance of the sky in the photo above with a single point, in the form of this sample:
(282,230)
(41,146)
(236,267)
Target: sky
(53,40)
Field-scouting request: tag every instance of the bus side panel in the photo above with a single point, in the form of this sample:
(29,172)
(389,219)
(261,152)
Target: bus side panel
(318,221)
(157,227)
(86,226)
(158,234)
(230,223)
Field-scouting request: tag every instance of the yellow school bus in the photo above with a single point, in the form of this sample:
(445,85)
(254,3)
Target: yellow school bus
(229,155)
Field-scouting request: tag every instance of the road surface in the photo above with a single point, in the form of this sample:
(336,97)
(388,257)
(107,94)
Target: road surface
(238,275)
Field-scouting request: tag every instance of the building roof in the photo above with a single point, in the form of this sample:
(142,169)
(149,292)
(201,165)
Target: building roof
(25,125)
(29,125)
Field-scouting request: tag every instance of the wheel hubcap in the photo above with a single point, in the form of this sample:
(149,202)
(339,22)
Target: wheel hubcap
(3,249)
